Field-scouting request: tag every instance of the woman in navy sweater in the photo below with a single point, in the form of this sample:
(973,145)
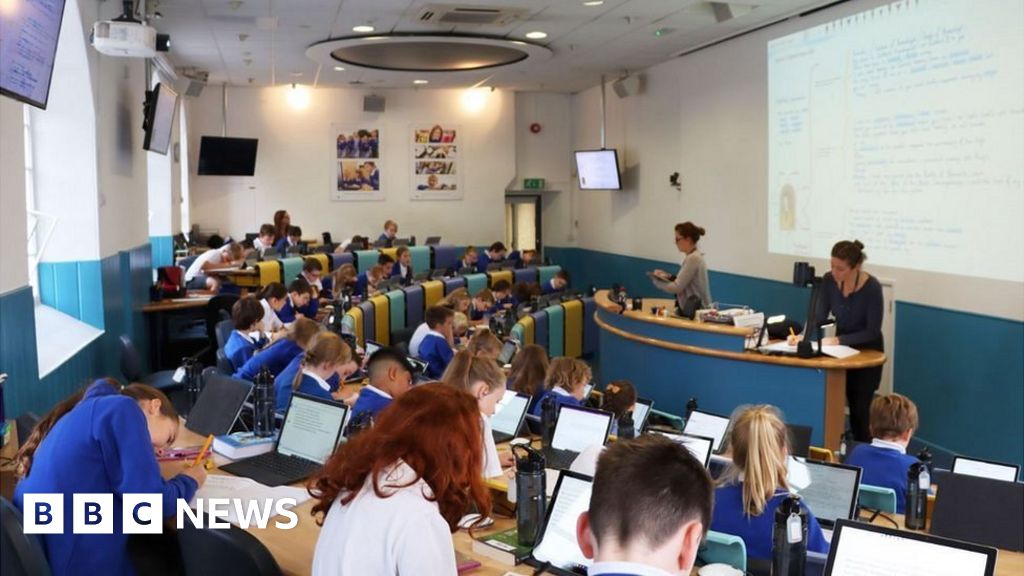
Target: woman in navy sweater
(102,441)
(755,484)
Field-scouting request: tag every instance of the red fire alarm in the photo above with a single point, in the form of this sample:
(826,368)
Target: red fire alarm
(535,128)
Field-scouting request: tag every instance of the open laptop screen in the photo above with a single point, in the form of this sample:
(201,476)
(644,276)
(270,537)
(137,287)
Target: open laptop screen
(641,411)
(828,490)
(699,446)
(985,469)
(311,428)
(508,350)
(508,414)
(706,424)
(860,549)
(371,348)
(580,428)
(558,541)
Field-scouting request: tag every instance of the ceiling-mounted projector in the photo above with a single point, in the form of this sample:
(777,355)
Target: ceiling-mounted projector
(128,39)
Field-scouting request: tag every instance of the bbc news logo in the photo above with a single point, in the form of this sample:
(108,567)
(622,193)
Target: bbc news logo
(143,513)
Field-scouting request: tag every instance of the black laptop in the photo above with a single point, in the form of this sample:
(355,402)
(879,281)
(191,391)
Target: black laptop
(799,439)
(557,550)
(859,548)
(433,240)
(828,490)
(985,468)
(508,352)
(641,412)
(714,426)
(699,446)
(218,405)
(312,427)
(576,429)
(508,416)
(981,510)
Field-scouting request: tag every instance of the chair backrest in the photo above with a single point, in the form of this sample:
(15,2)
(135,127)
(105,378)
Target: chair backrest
(445,256)
(224,365)
(877,498)
(218,309)
(232,551)
(823,454)
(725,549)
(24,424)
(131,363)
(222,330)
(20,553)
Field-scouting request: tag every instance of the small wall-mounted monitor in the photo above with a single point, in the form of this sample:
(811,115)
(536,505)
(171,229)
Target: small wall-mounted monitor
(598,169)
(28,47)
(158,122)
(220,156)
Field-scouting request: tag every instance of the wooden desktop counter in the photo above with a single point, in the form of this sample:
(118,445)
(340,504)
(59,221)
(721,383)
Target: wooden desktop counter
(672,359)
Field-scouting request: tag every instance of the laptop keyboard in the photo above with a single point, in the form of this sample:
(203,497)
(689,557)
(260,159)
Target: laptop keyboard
(559,459)
(288,466)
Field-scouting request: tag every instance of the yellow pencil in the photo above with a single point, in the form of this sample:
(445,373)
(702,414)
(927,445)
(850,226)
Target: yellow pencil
(202,453)
(791,333)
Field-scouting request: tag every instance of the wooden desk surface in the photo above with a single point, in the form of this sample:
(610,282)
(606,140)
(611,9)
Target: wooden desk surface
(293,549)
(865,359)
(176,304)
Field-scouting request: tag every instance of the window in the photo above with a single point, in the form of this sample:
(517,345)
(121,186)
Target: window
(30,209)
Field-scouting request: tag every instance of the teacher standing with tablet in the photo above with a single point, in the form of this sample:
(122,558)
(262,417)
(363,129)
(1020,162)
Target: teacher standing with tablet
(854,298)
(692,279)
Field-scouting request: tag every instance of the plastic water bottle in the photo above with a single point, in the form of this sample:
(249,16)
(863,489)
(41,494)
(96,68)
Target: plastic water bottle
(263,411)
(531,493)
(360,422)
(844,444)
(918,484)
(627,429)
(193,381)
(925,456)
(789,538)
(548,414)
(691,405)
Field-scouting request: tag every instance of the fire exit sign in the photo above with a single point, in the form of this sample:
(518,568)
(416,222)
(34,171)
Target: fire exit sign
(533,183)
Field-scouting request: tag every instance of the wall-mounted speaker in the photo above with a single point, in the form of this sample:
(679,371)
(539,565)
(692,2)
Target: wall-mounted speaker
(373,103)
(628,86)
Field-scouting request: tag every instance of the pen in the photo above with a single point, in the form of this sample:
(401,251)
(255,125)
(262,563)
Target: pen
(202,453)
(791,333)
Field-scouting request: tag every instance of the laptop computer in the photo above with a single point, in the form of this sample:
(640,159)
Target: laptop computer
(799,440)
(699,446)
(985,468)
(432,240)
(311,429)
(557,550)
(508,416)
(508,352)
(218,405)
(859,548)
(714,426)
(641,411)
(829,490)
(421,276)
(401,242)
(980,510)
(576,429)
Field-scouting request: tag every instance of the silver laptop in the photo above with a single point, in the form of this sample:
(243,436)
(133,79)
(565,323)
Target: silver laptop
(557,550)
(699,446)
(714,426)
(641,412)
(576,429)
(508,416)
(828,490)
(985,469)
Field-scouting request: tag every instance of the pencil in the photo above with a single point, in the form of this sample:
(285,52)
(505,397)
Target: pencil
(206,448)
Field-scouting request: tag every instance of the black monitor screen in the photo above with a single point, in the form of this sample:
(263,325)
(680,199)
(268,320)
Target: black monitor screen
(220,156)
(28,46)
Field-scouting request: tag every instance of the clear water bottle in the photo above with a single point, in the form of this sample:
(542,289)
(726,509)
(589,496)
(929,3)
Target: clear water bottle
(531,494)
(918,484)
(548,415)
(845,440)
(925,456)
(263,410)
(627,429)
(789,538)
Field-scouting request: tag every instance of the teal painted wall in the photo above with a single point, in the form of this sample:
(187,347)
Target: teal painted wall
(121,288)
(74,289)
(162,248)
(964,371)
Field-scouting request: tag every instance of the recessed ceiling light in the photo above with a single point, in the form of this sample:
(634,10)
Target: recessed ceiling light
(421,81)
(339,68)
(593,2)
(537,35)
(362,29)
(296,74)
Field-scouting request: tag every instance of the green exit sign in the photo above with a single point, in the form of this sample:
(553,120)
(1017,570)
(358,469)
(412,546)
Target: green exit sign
(533,183)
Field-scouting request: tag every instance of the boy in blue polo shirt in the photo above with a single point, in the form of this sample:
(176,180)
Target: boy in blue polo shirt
(390,376)
(299,294)
(247,337)
(893,420)
(436,347)
(495,253)
(503,298)
(557,284)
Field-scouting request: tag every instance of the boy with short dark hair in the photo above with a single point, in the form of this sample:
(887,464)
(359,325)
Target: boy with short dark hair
(247,337)
(893,420)
(390,376)
(299,294)
(436,347)
(403,268)
(495,253)
(292,239)
(649,509)
(557,284)
(265,240)
(503,298)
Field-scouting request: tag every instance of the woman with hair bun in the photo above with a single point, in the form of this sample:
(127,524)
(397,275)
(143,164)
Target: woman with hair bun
(692,279)
(854,298)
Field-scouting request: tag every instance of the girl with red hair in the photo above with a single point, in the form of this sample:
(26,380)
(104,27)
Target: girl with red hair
(392,496)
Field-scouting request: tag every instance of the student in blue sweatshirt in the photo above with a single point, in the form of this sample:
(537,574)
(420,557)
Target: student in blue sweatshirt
(102,440)
(312,270)
(470,259)
(495,253)
(390,377)
(292,239)
(247,337)
(299,294)
(389,234)
(436,347)
(893,421)
(529,369)
(482,305)
(403,268)
(503,298)
(566,383)
(557,284)
(279,354)
(624,543)
(317,372)
(755,485)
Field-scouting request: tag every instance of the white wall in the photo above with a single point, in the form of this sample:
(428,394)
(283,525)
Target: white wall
(295,167)
(13,233)
(547,154)
(705,116)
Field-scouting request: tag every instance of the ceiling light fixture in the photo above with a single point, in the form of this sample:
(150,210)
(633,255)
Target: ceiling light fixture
(593,2)
(298,97)
(339,69)
(421,81)
(536,35)
(363,28)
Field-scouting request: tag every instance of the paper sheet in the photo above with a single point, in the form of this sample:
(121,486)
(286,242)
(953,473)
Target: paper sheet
(246,489)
